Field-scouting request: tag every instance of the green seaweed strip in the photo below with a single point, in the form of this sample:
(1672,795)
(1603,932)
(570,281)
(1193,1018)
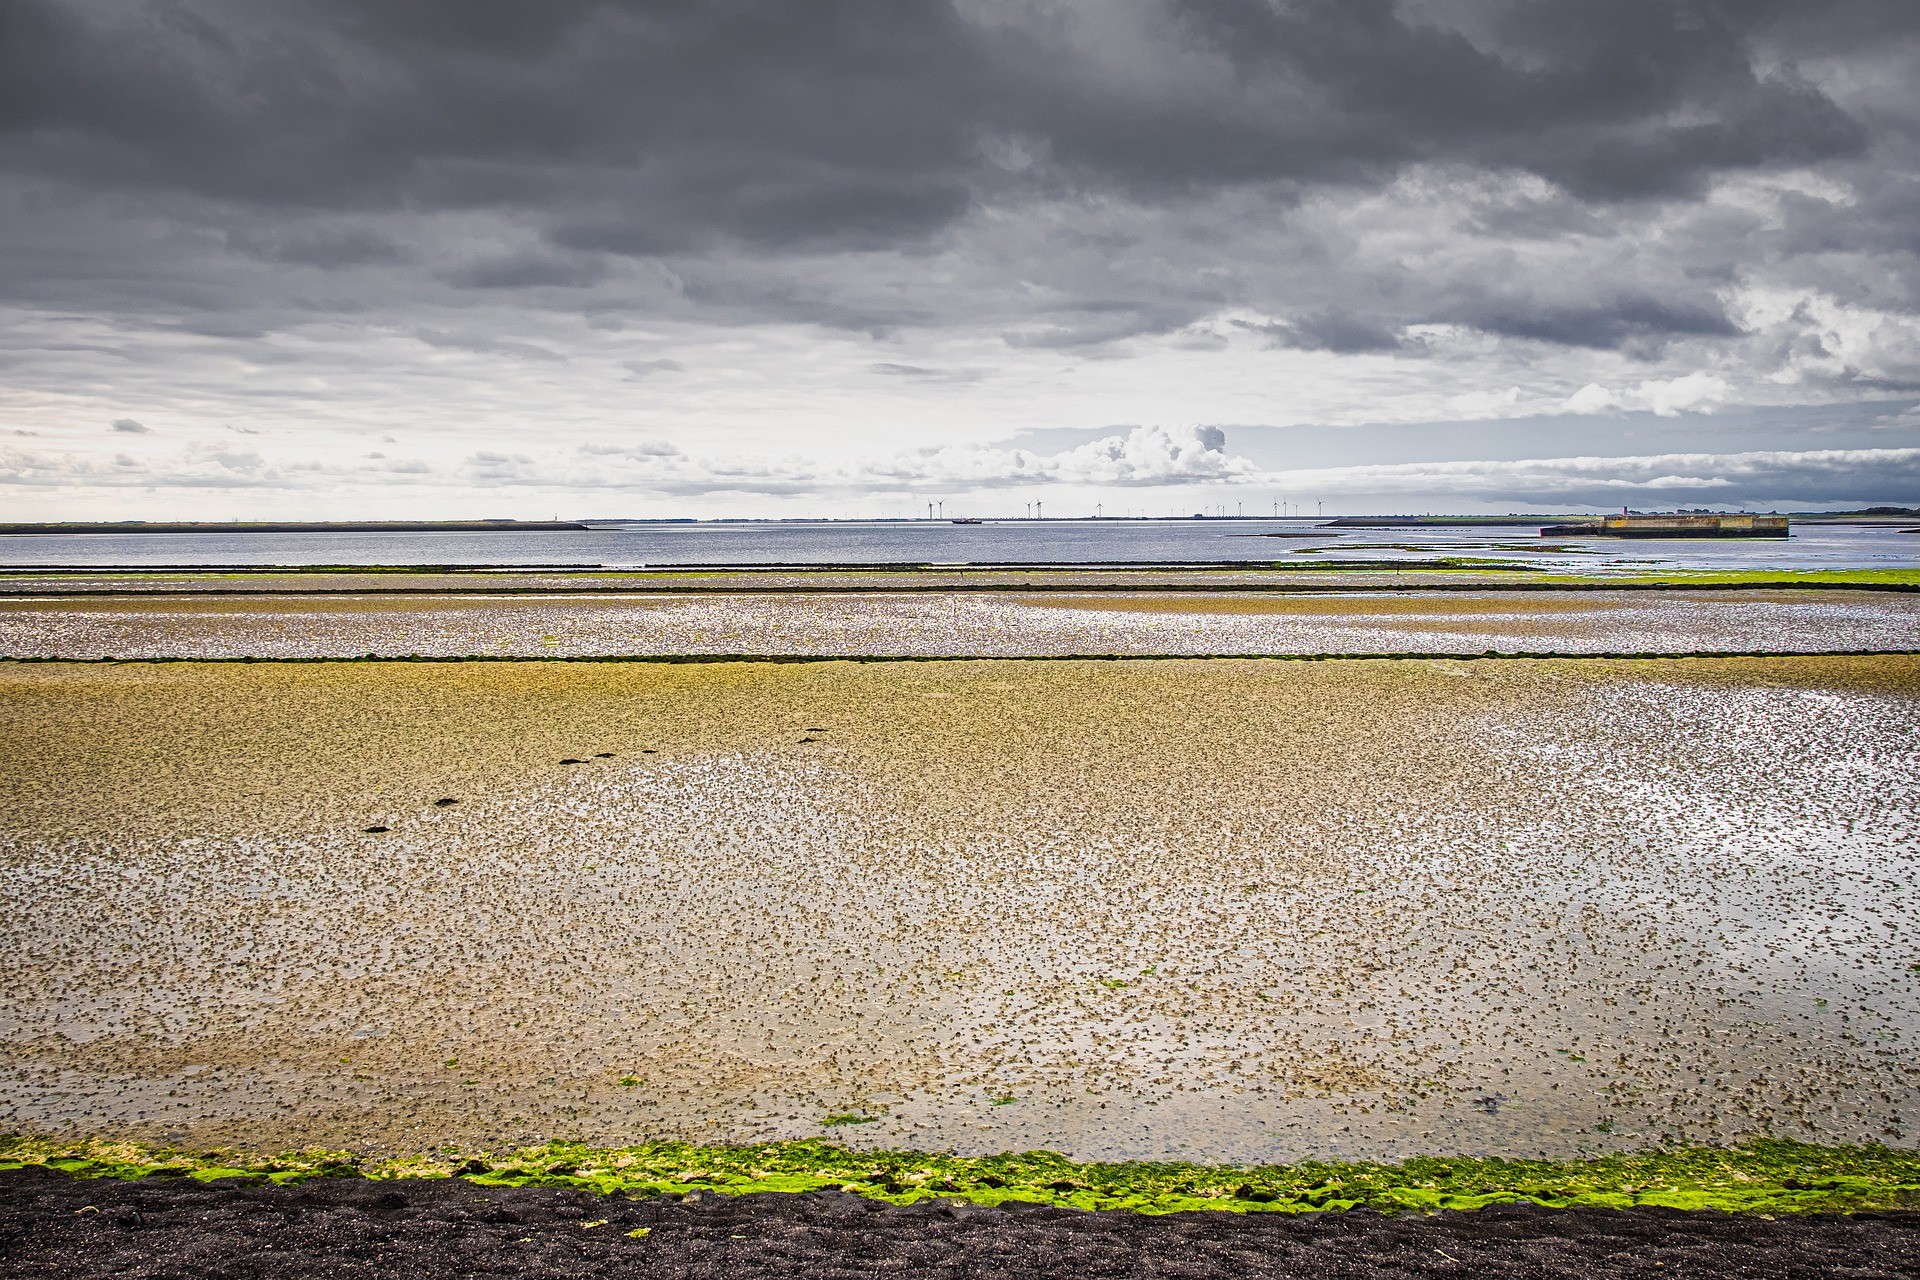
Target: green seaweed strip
(1765,1176)
(1287,578)
(1779,578)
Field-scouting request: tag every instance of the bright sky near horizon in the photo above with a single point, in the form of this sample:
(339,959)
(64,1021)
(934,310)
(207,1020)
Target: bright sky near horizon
(425,258)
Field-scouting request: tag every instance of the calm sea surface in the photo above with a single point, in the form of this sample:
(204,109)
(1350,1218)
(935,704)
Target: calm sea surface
(1812,546)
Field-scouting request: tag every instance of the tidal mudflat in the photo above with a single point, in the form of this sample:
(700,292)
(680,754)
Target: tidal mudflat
(1227,909)
(962,624)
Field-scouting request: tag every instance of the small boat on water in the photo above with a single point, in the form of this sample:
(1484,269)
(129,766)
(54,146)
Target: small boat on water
(963,520)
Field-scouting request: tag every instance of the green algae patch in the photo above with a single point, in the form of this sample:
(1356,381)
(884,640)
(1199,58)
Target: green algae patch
(1908,579)
(1773,1177)
(125,1160)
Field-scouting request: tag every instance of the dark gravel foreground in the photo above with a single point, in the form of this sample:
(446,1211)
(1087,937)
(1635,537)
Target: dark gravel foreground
(54,1225)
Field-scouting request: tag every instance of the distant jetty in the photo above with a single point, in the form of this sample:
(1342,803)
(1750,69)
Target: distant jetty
(1702,525)
(302,526)
(1429,522)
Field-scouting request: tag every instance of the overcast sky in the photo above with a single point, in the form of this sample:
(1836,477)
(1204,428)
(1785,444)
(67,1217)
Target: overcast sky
(705,257)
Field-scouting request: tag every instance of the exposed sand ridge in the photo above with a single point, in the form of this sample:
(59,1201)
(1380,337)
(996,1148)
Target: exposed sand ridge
(928,625)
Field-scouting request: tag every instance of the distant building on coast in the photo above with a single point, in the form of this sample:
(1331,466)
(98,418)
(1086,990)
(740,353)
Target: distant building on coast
(1679,525)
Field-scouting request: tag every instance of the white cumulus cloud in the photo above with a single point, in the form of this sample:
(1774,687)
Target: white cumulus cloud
(1143,456)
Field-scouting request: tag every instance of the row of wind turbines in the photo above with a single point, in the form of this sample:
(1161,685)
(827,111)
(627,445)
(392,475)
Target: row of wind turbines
(1282,509)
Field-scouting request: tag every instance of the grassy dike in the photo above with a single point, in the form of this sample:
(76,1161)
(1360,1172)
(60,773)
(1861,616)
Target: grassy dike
(1768,1176)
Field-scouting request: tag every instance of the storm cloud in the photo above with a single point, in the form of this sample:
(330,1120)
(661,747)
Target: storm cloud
(866,229)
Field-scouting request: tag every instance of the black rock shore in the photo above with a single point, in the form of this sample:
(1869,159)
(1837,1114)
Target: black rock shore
(55,1225)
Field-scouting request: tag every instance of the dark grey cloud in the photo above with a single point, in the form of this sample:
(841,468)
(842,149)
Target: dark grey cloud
(1612,100)
(921,373)
(1329,331)
(649,126)
(1621,322)
(632,126)
(1728,188)
(1635,324)
(317,246)
(527,271)
(131,426)
(481,344)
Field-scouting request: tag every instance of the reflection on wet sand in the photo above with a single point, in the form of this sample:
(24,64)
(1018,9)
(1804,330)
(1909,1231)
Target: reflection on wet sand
(1234,909)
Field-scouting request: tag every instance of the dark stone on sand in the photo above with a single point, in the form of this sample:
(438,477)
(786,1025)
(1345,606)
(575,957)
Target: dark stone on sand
(358,1229)
(603,755)
(572,760)
(844,1202)
(647,751)
(444,801)
(806,739)
(375,831)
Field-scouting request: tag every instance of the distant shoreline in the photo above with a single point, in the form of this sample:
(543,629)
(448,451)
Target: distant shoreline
(1868,516)
(304,526)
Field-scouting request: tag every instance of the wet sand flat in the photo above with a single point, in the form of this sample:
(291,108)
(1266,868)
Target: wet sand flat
(1229,909)
(19,581)
(907,624)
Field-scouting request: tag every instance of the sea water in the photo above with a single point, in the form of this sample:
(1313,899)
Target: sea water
(663,544)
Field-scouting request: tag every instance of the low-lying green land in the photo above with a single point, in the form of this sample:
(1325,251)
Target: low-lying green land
(1771,1177)
(1299,576)
(1869,578)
